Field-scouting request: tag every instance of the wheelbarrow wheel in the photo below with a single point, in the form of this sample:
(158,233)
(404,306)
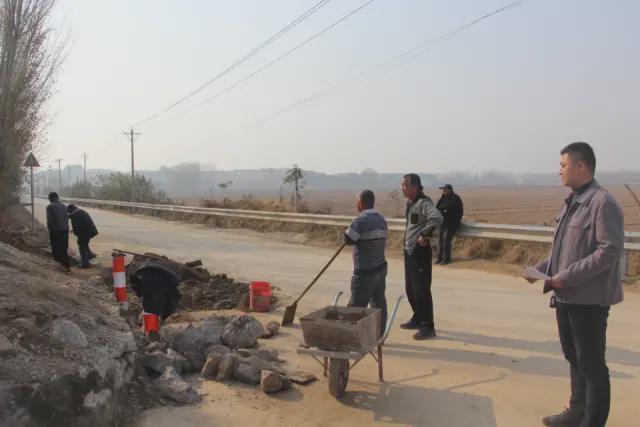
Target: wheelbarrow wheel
(338,376)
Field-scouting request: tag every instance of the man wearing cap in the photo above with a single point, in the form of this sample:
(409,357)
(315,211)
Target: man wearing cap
(423,219)
(85,230)
(451,208)
(58,226)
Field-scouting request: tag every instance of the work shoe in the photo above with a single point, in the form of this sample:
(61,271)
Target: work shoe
(438,261)
(411,324)
(424,333)
(567,418)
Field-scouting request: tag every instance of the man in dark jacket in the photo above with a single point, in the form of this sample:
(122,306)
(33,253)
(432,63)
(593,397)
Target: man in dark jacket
(451,208)
(85,230)
(158,288)
(58,226)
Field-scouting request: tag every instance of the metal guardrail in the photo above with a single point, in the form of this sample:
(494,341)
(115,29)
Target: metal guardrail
(518,233)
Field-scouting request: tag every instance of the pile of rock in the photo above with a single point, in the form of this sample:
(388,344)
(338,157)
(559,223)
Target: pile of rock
(222,349)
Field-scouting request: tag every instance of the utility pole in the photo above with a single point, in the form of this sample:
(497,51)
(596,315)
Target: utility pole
(132,135)
(85,176)
(59,176)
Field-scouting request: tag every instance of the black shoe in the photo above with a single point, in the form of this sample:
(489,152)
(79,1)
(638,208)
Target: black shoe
(411,324)
(85,266)
(92,256)
(438,261)
(567,418)
(445,262)
(424,333)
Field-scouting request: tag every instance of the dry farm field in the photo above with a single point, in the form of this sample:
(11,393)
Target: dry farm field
(499,205)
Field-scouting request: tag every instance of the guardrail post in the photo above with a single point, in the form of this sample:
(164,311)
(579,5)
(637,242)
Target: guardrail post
(624,264)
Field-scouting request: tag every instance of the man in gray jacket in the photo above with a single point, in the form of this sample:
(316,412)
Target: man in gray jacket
(584,267)
(422,220)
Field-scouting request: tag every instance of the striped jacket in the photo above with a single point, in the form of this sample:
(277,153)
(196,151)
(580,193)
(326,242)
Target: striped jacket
(368,235)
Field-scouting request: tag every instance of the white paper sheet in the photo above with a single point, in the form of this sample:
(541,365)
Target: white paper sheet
(532,273)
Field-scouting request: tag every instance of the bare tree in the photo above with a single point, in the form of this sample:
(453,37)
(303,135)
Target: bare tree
(295,176)
(30,56)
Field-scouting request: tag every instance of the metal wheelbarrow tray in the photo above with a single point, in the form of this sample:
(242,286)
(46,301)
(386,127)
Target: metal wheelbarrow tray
(340,335)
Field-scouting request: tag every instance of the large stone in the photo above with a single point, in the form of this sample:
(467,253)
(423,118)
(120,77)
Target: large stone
(272,382)
(7,349)
(158,361)
(227,366)
(196,336)
(173,387)
(210,368)
(301,378)
(242,332)
(247,373)
(218,349)
(273,328)
(264,365)
(196,359)
(67,333)
(268,354)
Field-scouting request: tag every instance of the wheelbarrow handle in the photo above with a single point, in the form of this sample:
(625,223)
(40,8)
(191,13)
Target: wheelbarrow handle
(391,319)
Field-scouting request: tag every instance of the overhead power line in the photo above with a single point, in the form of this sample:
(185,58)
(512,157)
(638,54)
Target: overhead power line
(389,64)
(317,6)
(276,60)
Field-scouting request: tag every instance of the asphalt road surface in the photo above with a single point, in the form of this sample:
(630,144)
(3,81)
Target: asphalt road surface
(496,361)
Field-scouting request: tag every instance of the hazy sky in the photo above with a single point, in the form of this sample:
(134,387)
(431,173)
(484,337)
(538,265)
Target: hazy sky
(504,95)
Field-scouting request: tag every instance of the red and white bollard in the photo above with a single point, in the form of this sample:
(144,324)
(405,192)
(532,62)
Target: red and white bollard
(120,280)
(151,326)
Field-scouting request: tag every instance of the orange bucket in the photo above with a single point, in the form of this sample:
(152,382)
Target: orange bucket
(151,322)
(260,296)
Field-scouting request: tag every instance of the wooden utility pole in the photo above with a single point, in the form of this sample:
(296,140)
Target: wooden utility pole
(132,135)
(59,176)
(85,176)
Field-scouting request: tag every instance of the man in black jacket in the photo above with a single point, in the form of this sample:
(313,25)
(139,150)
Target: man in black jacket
(451,208)
(58,226)
(85,230)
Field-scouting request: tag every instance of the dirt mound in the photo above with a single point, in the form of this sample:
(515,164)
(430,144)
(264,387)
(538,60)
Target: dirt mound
(15,230)
(200,289)
(62,345)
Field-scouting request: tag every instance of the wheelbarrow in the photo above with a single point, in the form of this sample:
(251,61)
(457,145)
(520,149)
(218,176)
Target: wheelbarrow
(338,338)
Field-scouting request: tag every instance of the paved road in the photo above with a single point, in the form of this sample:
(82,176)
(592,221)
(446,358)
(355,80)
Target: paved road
(496,361)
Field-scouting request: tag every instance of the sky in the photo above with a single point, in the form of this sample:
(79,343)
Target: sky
(506,94)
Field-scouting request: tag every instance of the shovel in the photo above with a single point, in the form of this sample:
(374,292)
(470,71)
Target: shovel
(290,311)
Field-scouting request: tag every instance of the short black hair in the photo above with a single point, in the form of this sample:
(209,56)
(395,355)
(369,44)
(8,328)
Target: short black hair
(414,180)
(581,152)
(53,196)
(367,198)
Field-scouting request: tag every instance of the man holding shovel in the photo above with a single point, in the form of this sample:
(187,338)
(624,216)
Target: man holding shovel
(368,236)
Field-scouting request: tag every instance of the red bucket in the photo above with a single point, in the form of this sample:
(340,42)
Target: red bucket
(259,296)
(151,322)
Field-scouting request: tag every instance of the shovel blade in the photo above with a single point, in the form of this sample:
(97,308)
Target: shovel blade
(289,315)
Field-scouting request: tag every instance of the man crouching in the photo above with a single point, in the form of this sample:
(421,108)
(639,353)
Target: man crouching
(368,235)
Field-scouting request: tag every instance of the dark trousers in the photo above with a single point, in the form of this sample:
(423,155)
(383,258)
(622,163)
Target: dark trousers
(60,246)
(583,336)
(369,289)
(85,251)
(417,276)
(444,244)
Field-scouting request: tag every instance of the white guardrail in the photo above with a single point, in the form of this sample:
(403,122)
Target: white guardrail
(518,233)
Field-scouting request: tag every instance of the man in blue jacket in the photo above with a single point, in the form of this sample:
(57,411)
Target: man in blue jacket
(368,235)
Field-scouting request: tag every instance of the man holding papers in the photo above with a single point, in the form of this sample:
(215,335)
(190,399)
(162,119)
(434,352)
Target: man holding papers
(583,270)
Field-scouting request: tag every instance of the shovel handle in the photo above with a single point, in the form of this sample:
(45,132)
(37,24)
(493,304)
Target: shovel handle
(320,274)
